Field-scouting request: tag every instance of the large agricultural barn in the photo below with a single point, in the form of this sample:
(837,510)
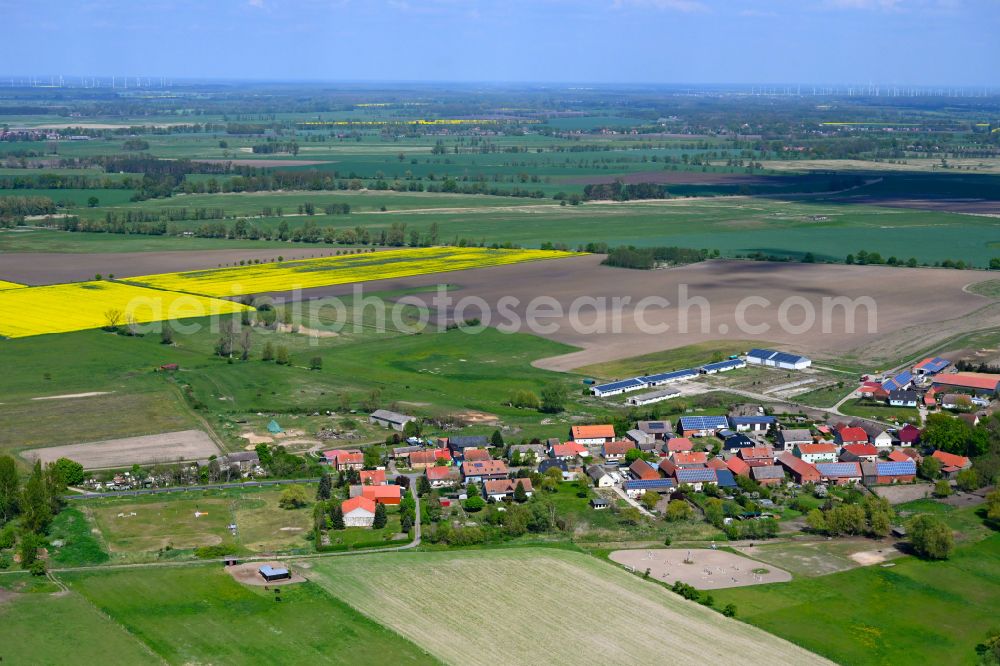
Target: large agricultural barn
(776,359)
(387,419)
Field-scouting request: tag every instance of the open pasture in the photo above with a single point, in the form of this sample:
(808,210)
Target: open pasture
(202,615)
(84,305)
(345,269)
(513,601)
(133,526)
(164,447)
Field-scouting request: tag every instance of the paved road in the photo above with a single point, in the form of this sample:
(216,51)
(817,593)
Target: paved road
(621,493)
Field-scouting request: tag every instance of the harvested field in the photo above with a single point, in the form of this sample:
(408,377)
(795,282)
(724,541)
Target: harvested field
(969,206)
(37,268)
(907,309)
(900,494)
(145,450)
(706,570)
(599,613)
(682,178)
(263,163)
(248,574)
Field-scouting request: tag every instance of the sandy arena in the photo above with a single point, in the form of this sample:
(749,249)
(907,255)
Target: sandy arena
(177,446)
(709,570)
(248,575)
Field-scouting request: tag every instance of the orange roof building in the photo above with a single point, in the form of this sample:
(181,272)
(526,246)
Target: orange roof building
(593,434)
(389,494)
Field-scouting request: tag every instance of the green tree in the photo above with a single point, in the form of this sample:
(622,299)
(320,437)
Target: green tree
(324,490)
(931,538)
(947,433)
(28,548)
(553,398)
(10,489)
(993,506)
(650,499)
(268,353)
(930,468)
(411,429)
(496,439)
(714,512)
(474,503)
(36,512)
(423,486)
(968,480)
(70,471)
(316,363)
(293,497)
(281,357)
(337,516)
(373,457)
(678,510)
(380,517)
(729,610)
(93,202)
(520,494)
(942,488)
(816,520)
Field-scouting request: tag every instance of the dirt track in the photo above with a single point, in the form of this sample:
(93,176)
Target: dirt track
(165,447)
(908,302)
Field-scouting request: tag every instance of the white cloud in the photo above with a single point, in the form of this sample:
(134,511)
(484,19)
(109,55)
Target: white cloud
(686,6)
(259,4)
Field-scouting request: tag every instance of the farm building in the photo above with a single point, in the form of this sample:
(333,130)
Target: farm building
(851,435)
(477,454)
(600,476)
(896,472)
(800,470)
(951,464)
(652,397)
(723,366)
(344,460)
(702,426)
(788,439)
(776,359)
(387,419)
(751,423)
(658,429)
(956,401)
(428,458)
(903,398)
(388,494)
(358,512)
(839,473)
(859,453)
(725,479)
(737,466)
(667,377)
(640,438)
(458,445)
(636,488)
(768,475)
(931,366)
(440,476)
(269,573)
(375,477)
(817,453)
(617,388)
(501,489)
(527,451)
(757,455)
(483,470)
(615,451)
(592,434)
(979,383)
(737,442)
(898,383)
(643,471)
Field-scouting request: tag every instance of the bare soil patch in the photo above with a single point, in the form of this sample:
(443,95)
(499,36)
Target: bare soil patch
(248,574)
(868,557)
(904,493)
(708,569)
(67,396)
(165,447)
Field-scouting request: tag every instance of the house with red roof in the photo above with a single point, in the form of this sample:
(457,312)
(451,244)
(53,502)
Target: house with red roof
(500,489)
(344,460)
(951,464)
(375,477)
(979,383)
(430,457)
(689,458)
(387,494)
(569,451)
(440,476)
(737,466)
(800,471)
(358,512)
(675,444)
(859,453)
(477,454)
(755,456)
(850,435)
(477,471)
(818,453)
(717,463)
(615,451)
(592,434)
(642,471)
(908,435)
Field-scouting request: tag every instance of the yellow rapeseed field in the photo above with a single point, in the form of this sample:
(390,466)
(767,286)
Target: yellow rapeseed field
(61,308)
(9,285)
(344,269)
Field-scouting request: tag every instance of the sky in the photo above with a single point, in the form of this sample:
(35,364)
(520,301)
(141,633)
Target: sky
(898,42)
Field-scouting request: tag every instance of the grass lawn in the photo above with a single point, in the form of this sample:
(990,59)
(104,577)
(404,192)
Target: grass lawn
(64,629)
(864,409)
(202,615)
(472,607)
(263,526)
(80,546)
(879,615)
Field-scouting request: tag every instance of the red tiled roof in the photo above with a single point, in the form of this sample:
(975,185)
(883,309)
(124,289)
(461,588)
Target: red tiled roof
(437,473)
(358,502)
(899,456)
(505,486)
(593,431)
(798,465)
(476,454)
(619,448)
(855,434)
(756,452)
(973,380)
(642,470)
(423,458)
(374,477)
(737,466)
(568,449)
(342,457)
(689,458)
(909,433)
(385,494)
(822,448)
(679,444)
(951,459)
(480,467)
(717,463)
(862,449)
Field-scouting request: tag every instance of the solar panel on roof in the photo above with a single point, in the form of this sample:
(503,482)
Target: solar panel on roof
(749,420)
(704,422)
(648,484)
(837,469)
(896,468)
(623,384)
(696,475)
(761,353)
(667,376)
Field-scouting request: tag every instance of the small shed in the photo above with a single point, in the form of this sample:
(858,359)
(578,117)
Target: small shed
(269,573)
(230,560)
(898,532)
(274,428)
(599,504)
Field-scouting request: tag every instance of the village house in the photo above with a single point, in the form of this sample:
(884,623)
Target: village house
(877,435)
(851,435)
(527,452)
(951,464)
(800,471)
(636,488)
(477,454)
(600,476)
(344,460)
(375,477)
(676,444)
(428,458)
(896,472)
(789,439)
(358,512)
(640,438)
(569,451)
(695,477)
(737,466)
(768,475)
(955,401)
(592,434)
(859,453)
(439,477)
(839,473)
(614,452)
(756,456)
(387,419)
(387,494)
(458,445)
(499,490)
(643,471)
(903,398)
(659,429)
(817,453)
(756,424)
(908,435)
(702,426)
(738,441)
(483,470)
(402,453)
(242,461)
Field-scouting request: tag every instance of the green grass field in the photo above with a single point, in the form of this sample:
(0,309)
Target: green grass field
(202,615)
